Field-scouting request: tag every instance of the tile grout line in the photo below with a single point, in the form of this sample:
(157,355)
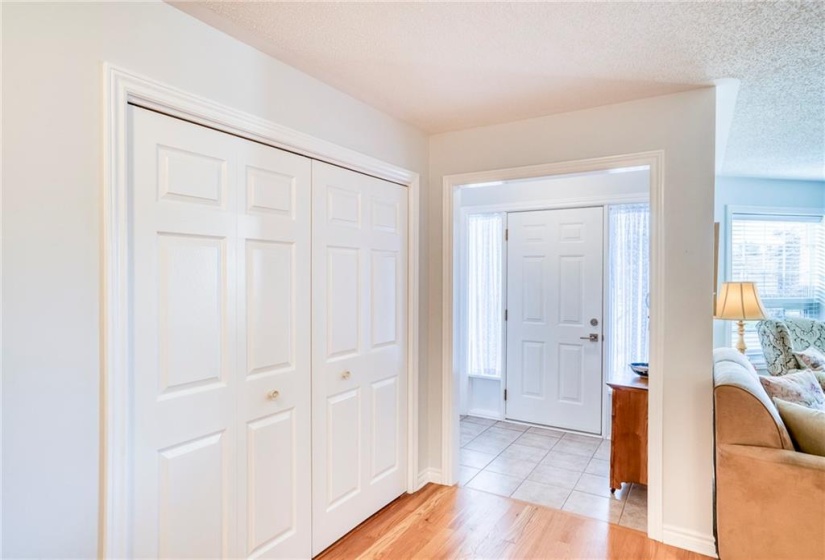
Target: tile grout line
(500,452)
(546,452)
(590,457)
(526,478)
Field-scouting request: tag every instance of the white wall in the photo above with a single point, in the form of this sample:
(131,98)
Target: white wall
(683,126)
(755,192)
(52,156)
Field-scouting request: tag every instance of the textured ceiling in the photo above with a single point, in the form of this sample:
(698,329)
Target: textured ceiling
(446,66)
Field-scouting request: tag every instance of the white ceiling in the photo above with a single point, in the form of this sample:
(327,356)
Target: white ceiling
(446,66)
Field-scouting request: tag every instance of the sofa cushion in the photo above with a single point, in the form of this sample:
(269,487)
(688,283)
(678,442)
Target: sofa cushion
(723,355)
(806,426)
(811,358)
(800,388)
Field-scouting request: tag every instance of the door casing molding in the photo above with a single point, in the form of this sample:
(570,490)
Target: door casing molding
(121,88)
(450,399)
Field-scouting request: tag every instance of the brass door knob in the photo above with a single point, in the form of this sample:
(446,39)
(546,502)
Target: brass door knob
(272,395)
(346,375)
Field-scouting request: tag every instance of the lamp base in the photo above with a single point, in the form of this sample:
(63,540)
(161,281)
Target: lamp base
(740,345)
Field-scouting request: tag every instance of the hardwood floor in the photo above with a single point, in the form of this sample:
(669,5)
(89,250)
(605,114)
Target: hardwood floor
(452,522)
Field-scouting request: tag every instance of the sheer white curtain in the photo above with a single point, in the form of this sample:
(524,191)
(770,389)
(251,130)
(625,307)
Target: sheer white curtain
(629,285)
(485,269)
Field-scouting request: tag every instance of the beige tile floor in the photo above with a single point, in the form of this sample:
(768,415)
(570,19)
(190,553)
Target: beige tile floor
(547,467)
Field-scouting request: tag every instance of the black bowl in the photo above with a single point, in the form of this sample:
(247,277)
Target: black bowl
(640,368)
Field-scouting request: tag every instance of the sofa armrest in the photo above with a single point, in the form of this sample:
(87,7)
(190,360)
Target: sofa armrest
(770,503)
(745,414)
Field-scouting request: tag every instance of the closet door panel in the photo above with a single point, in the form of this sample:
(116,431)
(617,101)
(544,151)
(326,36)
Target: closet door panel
(359,348)
(273,485)
(184,315)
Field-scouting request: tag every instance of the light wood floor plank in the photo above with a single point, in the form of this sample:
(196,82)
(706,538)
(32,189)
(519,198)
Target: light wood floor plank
(451,522)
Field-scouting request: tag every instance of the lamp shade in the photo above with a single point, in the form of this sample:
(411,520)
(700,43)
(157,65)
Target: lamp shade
(739,301)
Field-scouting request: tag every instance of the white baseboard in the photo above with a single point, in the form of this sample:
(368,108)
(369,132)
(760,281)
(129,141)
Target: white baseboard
(485,413)
(428,475)
(689,540)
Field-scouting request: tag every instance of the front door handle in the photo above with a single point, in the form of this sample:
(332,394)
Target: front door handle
(593,337)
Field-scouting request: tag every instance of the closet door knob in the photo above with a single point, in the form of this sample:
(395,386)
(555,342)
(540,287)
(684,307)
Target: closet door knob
(272,395)
(346,375)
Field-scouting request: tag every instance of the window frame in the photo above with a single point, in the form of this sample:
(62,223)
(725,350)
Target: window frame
(768,212)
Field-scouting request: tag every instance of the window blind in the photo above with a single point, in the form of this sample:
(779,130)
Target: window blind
(785,256)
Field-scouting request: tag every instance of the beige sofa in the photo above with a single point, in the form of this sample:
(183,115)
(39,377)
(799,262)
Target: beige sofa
(770,499)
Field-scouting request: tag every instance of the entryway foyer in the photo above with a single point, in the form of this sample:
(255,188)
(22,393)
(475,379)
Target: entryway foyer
(546,467)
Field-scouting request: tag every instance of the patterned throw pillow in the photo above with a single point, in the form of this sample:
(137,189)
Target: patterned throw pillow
(799,388)
(820,376)
(811,358)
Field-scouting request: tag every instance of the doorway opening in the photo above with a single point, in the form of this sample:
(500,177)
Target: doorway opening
(551,296)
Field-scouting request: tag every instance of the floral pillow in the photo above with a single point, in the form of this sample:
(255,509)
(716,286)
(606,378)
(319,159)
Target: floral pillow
(820,376)
(811,358)
(800,388)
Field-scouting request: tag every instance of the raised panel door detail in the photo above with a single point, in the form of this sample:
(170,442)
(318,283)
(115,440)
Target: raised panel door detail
(384,307)
(384,427)
(570,232)
(343,447)
(190,177)
(571,282)
(270,307)
(532,370)
(271,481)
(534,233)
(384,216)
(344,207)
(532,290)
(343,297)
(570,372)
(193,521)
(270,191)
(191,311)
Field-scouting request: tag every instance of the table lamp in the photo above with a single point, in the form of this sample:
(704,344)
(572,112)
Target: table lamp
(739,301)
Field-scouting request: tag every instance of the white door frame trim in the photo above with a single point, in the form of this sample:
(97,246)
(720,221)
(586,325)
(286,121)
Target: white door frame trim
(449,398)
(120,88)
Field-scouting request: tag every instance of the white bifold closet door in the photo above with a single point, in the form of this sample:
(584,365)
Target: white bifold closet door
(359,334)
(220,261)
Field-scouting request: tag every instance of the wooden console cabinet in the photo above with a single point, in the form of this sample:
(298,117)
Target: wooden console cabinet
(628,447)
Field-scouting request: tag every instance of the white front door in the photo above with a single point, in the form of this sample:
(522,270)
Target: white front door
(359,332)
(554,322)
(220,260)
